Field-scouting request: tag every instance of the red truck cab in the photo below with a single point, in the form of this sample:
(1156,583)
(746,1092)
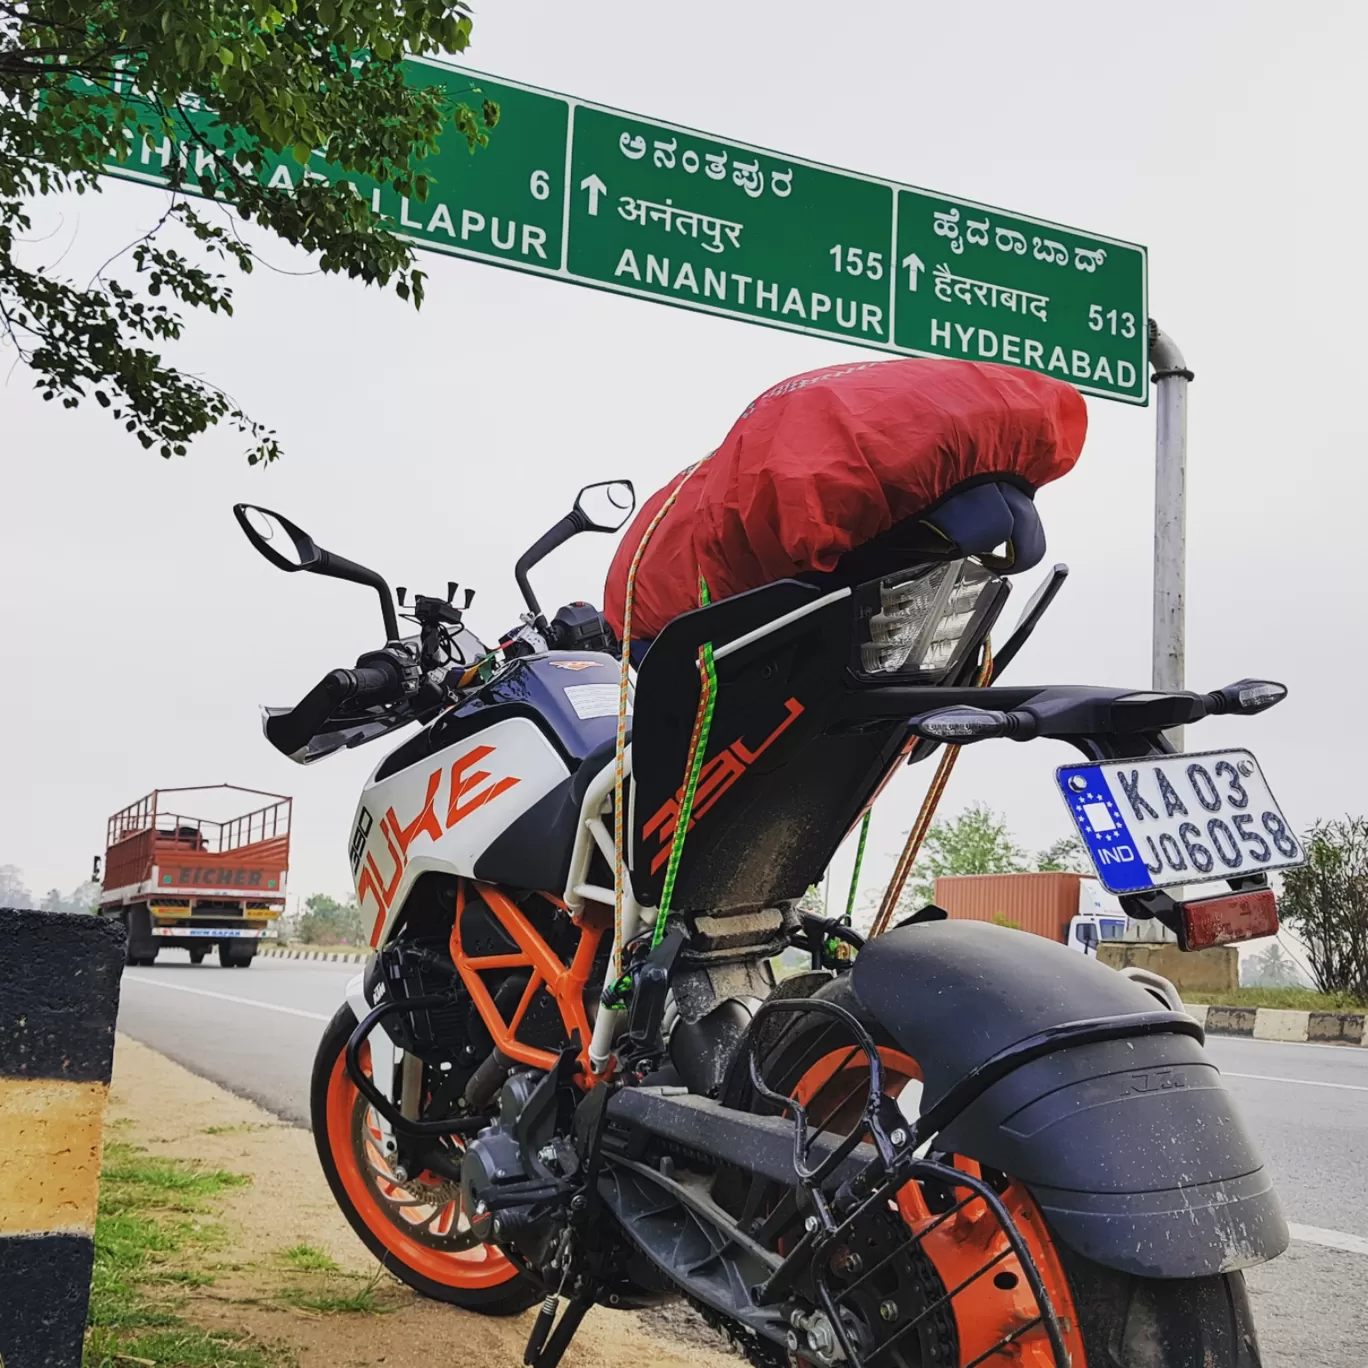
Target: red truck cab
(191,882)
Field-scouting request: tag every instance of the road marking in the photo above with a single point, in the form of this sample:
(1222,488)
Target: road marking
(1331,1239)
(227,997)
(1340,1047)
(1307,1082)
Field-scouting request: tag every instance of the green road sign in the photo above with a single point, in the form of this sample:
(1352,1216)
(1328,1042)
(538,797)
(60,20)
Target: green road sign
(608,199)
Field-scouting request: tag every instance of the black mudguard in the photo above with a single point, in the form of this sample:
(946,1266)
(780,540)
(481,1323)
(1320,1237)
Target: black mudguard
(1132,1147)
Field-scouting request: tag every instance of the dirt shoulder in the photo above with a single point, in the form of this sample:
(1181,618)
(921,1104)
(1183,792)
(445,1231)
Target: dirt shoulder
(286,1272)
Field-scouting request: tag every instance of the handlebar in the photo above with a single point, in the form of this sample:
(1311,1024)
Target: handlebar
(365,685)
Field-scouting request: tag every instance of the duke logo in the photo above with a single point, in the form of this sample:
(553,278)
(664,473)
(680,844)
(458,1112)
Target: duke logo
(466,793)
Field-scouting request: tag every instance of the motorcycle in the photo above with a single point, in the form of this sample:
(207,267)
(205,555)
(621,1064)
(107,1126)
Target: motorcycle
(569,1074)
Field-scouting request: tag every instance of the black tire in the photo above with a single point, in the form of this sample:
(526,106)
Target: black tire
(140,949)
(1124,1321)
(197,956)
(506,1298)
(232,955)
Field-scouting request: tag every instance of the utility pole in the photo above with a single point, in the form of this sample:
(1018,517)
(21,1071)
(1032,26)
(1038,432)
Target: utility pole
(1171,378)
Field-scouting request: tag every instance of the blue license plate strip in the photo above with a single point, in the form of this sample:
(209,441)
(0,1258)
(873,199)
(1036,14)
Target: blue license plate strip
(1177,819)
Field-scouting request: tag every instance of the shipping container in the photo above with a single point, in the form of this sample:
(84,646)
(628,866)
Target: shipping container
(1043,904)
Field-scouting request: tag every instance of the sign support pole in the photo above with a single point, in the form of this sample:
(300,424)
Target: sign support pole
(1171,378)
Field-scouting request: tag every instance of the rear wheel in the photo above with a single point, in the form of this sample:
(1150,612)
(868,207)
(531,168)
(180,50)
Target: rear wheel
(415,1227)
(233,955)
(1109,1319)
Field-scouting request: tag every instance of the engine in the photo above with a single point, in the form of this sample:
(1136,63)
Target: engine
(514,1172)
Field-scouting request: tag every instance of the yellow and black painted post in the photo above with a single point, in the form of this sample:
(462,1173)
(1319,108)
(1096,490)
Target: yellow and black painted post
(59,992)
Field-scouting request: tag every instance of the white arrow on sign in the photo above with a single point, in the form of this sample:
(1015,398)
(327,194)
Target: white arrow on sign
(914,263)
(595,187)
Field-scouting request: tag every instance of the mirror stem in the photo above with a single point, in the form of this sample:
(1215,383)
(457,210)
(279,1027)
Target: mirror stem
(339,567)
(566,528)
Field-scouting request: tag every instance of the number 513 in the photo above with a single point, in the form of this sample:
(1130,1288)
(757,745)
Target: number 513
(1117,324)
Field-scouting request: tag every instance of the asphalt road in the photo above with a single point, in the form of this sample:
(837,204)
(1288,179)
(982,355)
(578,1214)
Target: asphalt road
(254,1031)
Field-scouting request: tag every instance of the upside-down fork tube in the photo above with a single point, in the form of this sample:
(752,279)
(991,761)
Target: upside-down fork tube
(565,983)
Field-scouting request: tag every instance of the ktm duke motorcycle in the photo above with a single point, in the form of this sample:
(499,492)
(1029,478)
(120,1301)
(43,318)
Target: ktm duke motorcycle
(954,1144)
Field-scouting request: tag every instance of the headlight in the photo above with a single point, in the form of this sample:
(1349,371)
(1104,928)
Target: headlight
(925,618)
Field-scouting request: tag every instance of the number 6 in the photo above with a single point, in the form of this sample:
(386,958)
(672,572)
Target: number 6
(540,185)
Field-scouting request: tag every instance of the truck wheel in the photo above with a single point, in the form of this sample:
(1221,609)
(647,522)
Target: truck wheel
(139,946)
(234,956)
(197,956)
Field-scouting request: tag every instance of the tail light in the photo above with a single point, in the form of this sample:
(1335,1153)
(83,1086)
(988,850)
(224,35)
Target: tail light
(922,622)
(1235,917)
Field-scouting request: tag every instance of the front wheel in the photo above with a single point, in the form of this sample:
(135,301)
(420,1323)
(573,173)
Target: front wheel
(416,1227)
(1109,1319)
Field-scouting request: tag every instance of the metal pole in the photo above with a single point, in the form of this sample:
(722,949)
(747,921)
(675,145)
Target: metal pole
(1171,377)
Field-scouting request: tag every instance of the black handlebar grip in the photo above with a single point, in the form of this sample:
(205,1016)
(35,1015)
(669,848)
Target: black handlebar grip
(290,732)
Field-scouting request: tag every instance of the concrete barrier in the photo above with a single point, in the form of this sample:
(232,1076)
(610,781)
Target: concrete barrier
(59,994)
(1194,971)
(330,956)
(1271,1023)
(1274,1023)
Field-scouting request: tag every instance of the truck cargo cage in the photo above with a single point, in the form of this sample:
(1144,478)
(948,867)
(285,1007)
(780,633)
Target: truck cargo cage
(153,846)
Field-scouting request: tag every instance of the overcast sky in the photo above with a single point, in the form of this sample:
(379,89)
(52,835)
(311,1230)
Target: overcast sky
(141,631)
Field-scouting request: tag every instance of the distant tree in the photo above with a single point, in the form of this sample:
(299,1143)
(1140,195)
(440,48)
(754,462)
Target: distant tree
(81,899)
(1065,855)
(326,921)
(977,841)
(1326,900)
(13,891)
(1272,967)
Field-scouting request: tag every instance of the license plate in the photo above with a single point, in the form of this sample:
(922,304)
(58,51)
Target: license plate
(1177,819)
(218,932)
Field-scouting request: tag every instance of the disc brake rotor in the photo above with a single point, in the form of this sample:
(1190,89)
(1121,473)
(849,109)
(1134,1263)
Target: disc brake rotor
(430,1213)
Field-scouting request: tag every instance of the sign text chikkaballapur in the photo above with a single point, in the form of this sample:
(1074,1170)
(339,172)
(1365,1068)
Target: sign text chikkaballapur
(599,197)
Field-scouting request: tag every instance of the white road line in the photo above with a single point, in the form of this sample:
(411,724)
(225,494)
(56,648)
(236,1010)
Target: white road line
(227,997)
(1340,1047)
(1307,1082)
(1331,1239)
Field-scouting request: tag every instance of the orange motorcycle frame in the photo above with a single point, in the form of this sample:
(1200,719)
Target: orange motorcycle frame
(566,983)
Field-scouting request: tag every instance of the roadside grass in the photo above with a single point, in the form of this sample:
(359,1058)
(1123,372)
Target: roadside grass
(148,1224)
(308,1259)
(241,1128)
(1291,999)
(370,1299)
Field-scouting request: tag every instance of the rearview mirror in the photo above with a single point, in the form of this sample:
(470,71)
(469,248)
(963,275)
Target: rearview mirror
(606,506)
(289,547)
(286,546)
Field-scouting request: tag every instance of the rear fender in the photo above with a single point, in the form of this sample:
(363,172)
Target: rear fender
(1131,1147)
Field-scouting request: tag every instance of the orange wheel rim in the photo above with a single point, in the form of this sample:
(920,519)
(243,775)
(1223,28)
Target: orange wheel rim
(986,1309)
(427,1236)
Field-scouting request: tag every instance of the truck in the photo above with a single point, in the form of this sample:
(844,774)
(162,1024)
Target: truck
(1061,906)
(194,883)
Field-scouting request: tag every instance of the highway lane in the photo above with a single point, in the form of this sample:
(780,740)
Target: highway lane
(254,1031)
